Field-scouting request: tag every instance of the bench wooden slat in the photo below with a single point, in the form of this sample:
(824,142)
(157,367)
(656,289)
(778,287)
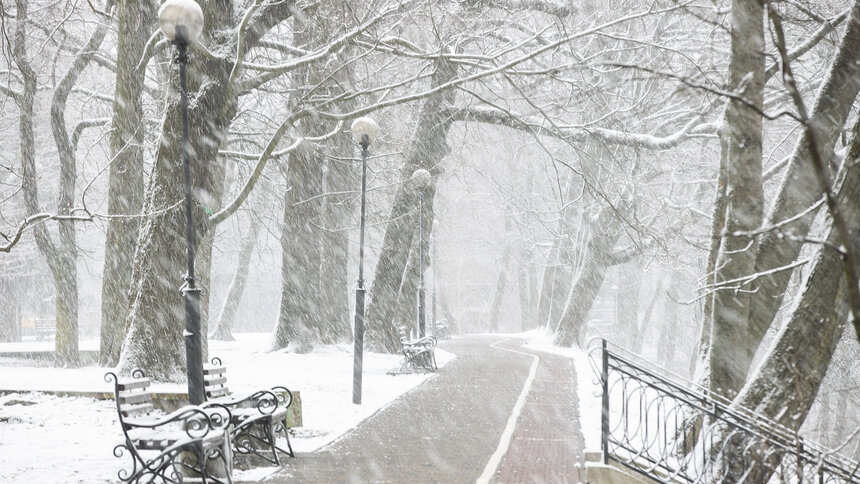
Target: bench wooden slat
(133,384)
(217,392)
(214,370)
(215,380)
(126,398)
(136,409)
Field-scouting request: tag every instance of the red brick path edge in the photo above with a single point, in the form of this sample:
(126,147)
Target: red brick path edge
(547,444)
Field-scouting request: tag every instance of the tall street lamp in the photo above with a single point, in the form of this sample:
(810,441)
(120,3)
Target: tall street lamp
(364,131)
(423,178)
(182,21)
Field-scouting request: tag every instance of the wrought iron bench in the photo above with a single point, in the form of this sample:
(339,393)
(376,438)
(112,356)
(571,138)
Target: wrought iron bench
(418,355)
(440,329)
(257,418)
(166,447)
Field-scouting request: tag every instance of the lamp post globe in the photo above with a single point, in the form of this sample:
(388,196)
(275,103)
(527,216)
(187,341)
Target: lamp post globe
(181,20)
(423,178)
(364,131)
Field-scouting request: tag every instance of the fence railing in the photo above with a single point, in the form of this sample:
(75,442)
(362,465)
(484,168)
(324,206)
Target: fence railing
(670,430)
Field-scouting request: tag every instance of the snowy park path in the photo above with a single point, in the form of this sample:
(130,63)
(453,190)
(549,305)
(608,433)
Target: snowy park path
(491,414)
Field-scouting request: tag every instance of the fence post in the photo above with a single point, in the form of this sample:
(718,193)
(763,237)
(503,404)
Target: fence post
(604,413)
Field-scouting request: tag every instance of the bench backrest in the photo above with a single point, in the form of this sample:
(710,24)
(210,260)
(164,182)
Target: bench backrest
(215,381)
(401,332)
(133,398)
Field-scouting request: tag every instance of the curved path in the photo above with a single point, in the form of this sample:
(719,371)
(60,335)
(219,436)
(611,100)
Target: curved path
(448,429)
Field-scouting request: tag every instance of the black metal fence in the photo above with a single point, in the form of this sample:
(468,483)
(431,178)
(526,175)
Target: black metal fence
(670,430)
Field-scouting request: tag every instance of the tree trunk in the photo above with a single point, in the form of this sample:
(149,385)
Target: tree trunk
(627,308)
(314,298)
(157,311)
(800,187)
(135,19)
(427,149)
(298,319)
(65,254)
(525,281)
(407,296)
(559,273)
(61,257)
(699,358)
(156,307)
(547,288)
(785,385)
(10,322)
(499,295)
(572,324)
(670,334)
(341,183)
(223,327)
(644,323)
(743,125)
(334,275)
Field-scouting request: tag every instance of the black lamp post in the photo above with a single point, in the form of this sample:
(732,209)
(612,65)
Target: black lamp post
(364,131)
(423,178)
(182,21)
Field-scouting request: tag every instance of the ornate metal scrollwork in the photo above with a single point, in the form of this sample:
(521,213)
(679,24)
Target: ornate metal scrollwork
(659,425)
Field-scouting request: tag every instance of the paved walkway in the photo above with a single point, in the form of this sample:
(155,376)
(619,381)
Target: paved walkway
(448,429)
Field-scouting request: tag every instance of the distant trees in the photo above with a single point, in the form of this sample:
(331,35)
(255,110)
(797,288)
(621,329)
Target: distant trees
(60,250)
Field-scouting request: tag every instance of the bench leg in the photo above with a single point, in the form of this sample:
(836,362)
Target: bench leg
(256,439)
(283,426)
(220,454)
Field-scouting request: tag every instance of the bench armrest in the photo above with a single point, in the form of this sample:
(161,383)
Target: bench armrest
(265,401)
(196,421)
(283,400)
(425,342)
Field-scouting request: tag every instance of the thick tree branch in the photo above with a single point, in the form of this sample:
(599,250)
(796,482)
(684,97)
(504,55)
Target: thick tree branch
(509,119)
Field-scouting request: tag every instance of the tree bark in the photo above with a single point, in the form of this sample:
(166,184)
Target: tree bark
(427,149)
(314,297)
(670,334)
(334,275)
(157,311)
(800,188)
(156,307)
(223,327)
(341,183)
(627,307)
(558,275)
(135,19)
(61,256)
(299,325)
(603,236)
(645,321)
(699,358)
(787,382)
(785,385)
(501,287)
(743,125)
(526,278)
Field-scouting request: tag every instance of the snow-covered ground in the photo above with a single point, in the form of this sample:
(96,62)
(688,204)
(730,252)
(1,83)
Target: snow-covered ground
(51,439)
